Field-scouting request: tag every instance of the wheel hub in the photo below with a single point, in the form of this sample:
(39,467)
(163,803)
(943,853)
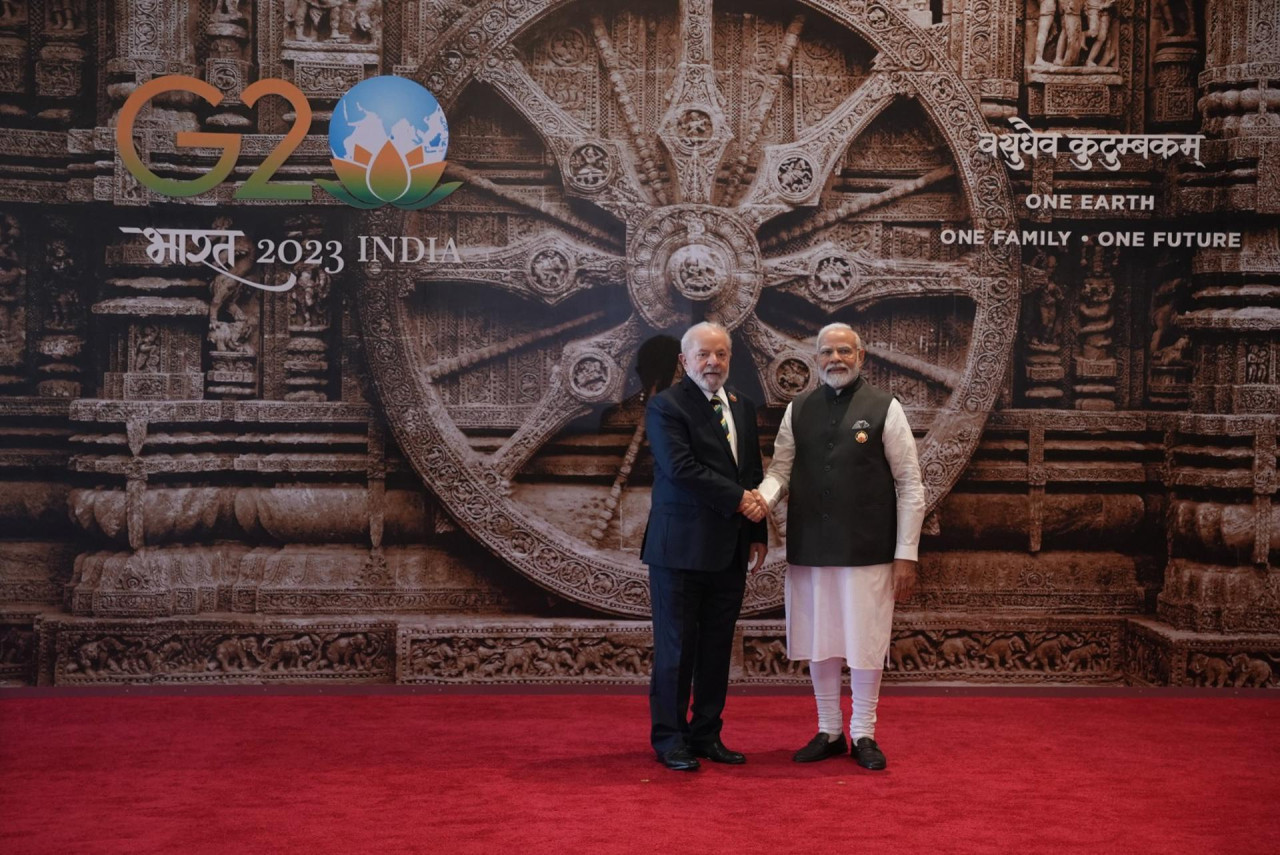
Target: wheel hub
(685,261)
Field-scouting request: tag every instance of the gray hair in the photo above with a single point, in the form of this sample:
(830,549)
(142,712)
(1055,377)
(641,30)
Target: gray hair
(838,327)
(686,340)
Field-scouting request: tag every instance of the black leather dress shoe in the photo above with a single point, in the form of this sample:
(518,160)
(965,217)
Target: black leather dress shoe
(680,759)
(717,753)
(820,748)
(868,754)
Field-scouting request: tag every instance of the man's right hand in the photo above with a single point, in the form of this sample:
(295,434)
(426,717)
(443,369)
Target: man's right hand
(753,506)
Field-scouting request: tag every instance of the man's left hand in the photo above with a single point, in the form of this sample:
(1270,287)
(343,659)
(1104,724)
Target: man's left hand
(758,553)
(904,579)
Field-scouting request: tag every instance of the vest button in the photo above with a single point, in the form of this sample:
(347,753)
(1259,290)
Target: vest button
(828,467)
(826,516)
(831,445)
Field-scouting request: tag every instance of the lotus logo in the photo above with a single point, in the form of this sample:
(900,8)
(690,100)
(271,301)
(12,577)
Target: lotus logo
(388,138)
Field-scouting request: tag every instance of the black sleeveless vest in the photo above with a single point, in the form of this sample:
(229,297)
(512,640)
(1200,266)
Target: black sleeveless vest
(842,505)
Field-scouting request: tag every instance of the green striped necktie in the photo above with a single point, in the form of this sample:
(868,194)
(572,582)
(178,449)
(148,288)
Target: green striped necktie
(718,404)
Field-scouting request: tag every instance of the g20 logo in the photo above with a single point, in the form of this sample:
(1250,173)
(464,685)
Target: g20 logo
(388,138)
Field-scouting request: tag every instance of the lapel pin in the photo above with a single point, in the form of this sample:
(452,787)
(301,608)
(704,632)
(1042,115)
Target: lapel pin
(733,399)
(861,436)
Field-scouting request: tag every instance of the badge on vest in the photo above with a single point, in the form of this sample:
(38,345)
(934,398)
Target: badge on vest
(860,426)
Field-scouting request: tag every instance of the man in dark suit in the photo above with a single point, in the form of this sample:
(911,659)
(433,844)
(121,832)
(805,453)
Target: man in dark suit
(705,524)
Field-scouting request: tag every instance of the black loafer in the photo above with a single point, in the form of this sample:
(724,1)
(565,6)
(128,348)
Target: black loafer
(717,753)
(820,748)
(680,759)
(868,755)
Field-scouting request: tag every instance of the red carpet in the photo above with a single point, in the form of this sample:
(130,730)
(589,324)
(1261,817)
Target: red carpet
(573,773)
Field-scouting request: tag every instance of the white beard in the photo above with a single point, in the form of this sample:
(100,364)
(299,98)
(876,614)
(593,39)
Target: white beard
(841,381)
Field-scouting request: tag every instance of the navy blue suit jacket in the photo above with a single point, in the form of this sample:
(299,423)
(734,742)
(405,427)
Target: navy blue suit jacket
(694,522)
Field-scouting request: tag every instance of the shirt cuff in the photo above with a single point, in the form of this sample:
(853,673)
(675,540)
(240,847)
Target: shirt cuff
(909,551)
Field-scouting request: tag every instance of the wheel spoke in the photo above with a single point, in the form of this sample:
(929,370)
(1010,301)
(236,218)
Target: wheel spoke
(760,116)
(793,175)
(650,170)
(592,168)
(549,269)
(860,205)
(589,373)
(559,217)
(449,367)
(942,376)
(831,278)
(695,128)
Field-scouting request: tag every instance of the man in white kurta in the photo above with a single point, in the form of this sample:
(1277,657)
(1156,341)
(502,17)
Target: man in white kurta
(846,453)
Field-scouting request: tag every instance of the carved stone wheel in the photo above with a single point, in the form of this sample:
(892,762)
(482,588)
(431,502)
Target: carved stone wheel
(633,168)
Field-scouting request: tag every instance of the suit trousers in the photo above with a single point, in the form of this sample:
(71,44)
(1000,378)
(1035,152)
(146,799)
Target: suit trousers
(694,615)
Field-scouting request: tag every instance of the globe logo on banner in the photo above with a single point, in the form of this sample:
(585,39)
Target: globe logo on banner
(388,137)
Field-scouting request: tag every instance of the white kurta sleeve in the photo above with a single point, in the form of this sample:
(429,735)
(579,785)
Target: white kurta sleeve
(900,451)
(778,478)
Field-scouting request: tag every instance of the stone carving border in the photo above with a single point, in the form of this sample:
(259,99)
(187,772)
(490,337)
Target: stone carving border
(524,653)
(927,648)
(220,651)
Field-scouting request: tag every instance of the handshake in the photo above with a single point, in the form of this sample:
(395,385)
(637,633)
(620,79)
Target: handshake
(753,505)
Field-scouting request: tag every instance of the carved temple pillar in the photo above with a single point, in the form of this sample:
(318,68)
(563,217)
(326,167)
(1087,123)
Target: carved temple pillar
(323,48)
(15,36)
(61,347)
(1224,517)
(228,65)
(60,34)
(984,45)
(153,38)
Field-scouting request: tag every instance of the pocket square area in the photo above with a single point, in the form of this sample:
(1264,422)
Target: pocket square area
(861,424)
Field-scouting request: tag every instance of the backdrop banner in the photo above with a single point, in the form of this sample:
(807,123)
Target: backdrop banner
(327,326)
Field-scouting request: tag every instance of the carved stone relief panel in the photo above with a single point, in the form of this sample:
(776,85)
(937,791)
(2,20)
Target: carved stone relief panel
(666,207)
(926,648)
(213,652)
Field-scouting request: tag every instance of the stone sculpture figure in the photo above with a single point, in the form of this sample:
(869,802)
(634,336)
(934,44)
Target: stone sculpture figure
(1102,51)
(1070,33)
(1209,670)
(1170,23)
(1097,319)
(1068,18)
(12,12)
(1250,672)
(62,15)
(1003,652)
(1048,15)
(911,653)
(300,13)
(1049,298)
(1255,364)
(1168,345)
(1083,657)
(146,350)
(958,650)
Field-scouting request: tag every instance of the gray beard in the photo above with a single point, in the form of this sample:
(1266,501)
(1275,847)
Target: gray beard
(841,382)
(700,381)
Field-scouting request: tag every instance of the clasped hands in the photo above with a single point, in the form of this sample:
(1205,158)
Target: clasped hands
(753,505)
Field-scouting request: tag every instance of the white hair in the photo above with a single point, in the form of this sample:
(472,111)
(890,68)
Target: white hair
(686,340)
(838,327)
